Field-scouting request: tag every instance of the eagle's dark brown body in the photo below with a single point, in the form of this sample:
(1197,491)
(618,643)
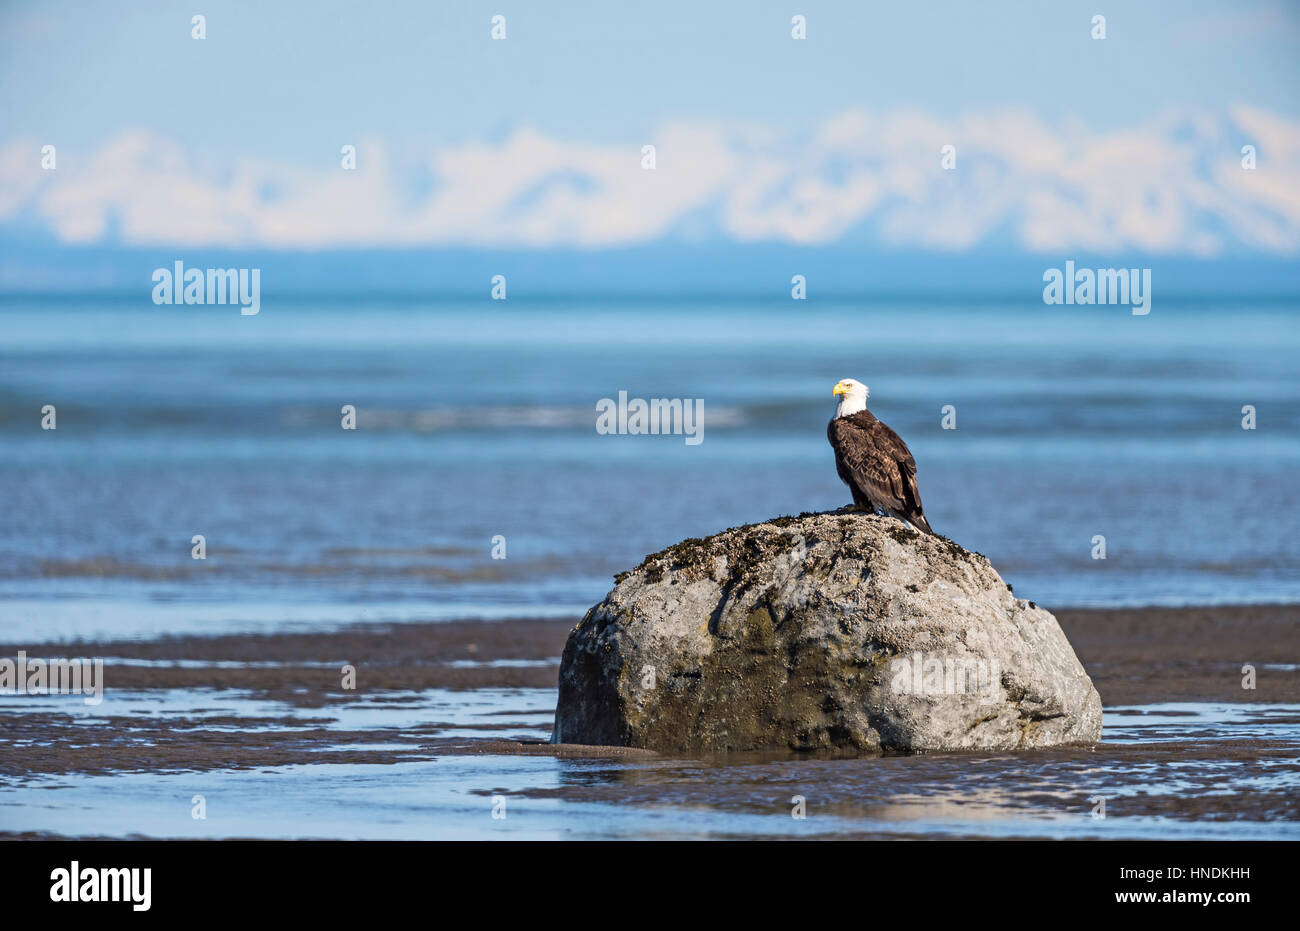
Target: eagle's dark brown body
(877,466)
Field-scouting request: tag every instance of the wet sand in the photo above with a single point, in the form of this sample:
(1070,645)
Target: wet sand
(1134,655)
(276,700)
(1145,655)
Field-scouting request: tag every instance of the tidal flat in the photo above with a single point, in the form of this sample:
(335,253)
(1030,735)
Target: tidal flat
(445,736)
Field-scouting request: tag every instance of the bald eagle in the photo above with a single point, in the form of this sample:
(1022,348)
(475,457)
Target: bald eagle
(871,459)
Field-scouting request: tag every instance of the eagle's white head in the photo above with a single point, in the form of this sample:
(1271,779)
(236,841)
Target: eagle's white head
(853,396)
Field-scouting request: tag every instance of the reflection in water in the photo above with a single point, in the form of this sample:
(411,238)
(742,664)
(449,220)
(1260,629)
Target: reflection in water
(434,760)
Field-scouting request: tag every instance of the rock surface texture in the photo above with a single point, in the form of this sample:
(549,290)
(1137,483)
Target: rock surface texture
(837,631)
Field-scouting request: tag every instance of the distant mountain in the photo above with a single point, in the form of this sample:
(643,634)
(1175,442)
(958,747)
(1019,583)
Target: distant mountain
(1005,182)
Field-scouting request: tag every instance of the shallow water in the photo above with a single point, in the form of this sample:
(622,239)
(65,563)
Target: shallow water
(1166,771)
(477,421)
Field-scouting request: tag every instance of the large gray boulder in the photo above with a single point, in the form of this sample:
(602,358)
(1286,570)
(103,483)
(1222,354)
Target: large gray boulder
(836,631)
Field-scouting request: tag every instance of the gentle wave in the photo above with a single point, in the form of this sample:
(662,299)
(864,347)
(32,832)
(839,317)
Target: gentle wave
(429,420)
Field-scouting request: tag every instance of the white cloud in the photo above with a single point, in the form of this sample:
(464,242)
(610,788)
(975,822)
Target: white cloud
(1173,186)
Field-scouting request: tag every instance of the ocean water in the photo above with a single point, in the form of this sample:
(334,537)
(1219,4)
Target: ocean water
(476,420)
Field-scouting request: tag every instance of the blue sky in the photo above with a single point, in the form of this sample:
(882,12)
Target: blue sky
(1063,141)
(288,78)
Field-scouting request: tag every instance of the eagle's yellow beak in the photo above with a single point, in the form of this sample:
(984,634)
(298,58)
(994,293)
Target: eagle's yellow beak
(838,389)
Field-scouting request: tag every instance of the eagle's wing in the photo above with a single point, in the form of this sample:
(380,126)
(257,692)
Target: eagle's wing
(878,461)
